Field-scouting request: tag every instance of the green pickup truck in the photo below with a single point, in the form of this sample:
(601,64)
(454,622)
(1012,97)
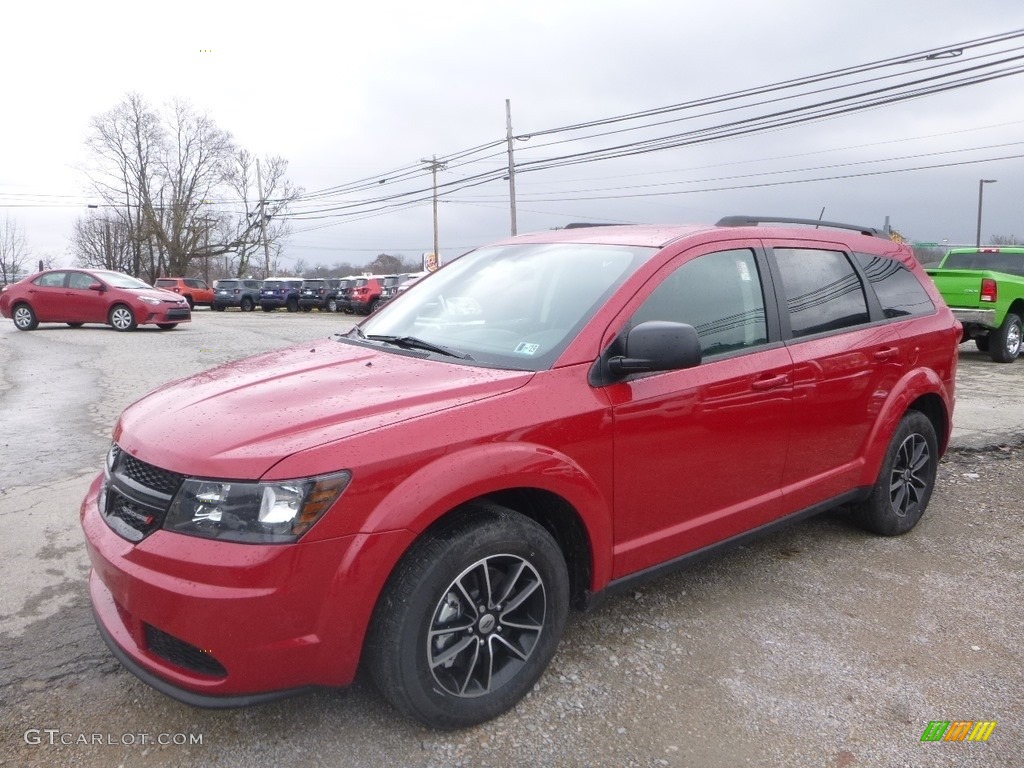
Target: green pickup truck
(985,289)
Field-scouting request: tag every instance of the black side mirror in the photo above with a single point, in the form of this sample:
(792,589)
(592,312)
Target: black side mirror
(657,345)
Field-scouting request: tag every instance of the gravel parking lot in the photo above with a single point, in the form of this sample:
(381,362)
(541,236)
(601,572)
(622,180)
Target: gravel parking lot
(819,645)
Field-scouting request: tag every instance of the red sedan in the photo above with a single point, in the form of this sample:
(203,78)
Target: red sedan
(77,297)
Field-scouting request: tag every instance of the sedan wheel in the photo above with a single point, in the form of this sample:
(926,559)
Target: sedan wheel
(122,319)
(24,318)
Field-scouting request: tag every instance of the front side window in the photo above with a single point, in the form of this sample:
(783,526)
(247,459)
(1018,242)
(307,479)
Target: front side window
(720,295)
(514,306)
(823,292)
(898,290)
(80,281)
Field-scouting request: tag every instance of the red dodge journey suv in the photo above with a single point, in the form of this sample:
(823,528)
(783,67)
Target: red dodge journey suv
(539,422)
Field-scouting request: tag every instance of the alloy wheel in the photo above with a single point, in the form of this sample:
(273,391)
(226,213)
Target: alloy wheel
(486,625)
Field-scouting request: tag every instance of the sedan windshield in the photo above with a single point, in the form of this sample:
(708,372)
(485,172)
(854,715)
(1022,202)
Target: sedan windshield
(514,306)
(119,280)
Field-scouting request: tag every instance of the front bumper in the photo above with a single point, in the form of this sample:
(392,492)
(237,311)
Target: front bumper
(222,624)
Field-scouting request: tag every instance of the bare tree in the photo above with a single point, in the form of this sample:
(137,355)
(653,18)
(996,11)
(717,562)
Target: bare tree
(126,142)
(103,242)
(14,253)
(278,194)
(162,175)
(1005,240)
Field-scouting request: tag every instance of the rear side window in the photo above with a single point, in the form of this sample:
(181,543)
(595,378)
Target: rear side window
(720,295)
(51,280)
(823,292)
(1010,263)
(898,290)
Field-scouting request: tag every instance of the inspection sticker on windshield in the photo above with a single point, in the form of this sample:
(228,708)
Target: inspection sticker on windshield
(524,348)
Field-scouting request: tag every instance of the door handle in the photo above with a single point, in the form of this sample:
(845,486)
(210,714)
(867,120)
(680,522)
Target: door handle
(886,354)
(770,383)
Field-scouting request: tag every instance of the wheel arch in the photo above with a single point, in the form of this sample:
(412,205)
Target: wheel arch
(921,390)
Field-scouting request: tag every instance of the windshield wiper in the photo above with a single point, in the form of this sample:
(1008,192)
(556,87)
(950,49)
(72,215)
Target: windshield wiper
(412,342)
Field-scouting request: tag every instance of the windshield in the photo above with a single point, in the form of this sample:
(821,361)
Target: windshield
(514,306)
(118,280)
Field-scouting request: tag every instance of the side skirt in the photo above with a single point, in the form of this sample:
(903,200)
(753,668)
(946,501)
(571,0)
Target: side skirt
(631,581)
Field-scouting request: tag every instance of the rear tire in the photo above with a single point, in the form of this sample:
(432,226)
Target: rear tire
(166,326)
(24,317)
(218,307)
(981,342)
(499,583)
(1004,346)
(191,303)
(292,305)
(122,318)
(247,304)
(265,308)
(332,305)
(75,325)
(906,480)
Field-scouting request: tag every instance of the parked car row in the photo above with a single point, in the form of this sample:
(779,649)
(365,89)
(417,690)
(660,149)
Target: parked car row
(79,296)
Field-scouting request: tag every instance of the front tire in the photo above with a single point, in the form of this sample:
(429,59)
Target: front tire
(981,342)
(906,481)
(1004,346)
(122,318)
(470,618)
(24,318)
(166,326)
(75,325)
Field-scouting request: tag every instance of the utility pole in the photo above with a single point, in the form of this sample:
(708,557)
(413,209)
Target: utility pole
(263,219)
(434,166)
(511,164)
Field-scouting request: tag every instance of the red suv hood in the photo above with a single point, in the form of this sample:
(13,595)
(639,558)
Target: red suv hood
(238,420)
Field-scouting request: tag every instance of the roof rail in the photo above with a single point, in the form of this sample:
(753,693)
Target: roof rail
(753,221)
(585,224)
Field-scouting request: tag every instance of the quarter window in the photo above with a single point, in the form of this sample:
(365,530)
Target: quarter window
(898,290)
(823,292)
(720,295)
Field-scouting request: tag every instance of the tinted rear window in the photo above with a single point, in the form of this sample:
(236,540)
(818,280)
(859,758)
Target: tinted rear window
(1010,263)
(166,283)
(898,290)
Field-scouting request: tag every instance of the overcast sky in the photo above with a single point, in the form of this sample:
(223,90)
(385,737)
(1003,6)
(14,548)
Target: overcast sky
(347,91)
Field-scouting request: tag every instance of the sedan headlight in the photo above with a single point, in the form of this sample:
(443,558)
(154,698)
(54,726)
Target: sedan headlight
(265,513)
(150,300)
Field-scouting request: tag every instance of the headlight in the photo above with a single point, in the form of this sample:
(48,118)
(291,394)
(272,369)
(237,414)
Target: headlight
(150,300)
(267,513)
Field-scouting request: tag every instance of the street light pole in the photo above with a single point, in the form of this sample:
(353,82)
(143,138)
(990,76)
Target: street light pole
(981,188)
